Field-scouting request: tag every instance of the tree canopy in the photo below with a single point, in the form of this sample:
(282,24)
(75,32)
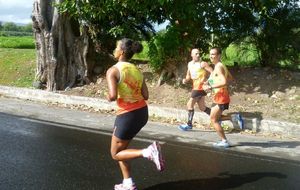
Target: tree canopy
(272,25)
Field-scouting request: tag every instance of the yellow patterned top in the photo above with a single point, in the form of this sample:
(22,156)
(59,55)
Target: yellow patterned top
(129,88)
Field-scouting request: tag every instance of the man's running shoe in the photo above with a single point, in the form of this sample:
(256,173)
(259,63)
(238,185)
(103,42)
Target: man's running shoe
(123,187)
(221,144)
(185,127)
(156,156)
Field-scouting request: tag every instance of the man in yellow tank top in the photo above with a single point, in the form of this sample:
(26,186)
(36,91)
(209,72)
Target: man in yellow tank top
(127,86)
(197,72)
(217,84)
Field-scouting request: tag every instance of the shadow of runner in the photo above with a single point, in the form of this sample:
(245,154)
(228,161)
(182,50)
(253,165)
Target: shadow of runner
(268,144)
(223,181)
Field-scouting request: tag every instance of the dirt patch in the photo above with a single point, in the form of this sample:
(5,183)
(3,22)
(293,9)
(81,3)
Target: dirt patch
(264,93)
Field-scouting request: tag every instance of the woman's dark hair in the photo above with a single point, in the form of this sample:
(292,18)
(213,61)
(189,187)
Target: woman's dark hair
(130,47)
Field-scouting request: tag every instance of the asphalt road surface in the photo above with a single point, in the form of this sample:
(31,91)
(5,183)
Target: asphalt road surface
(38,154)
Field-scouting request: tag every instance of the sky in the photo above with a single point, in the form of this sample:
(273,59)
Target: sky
(17,11)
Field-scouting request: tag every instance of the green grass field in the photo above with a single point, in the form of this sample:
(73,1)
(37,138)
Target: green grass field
(17,67)
(22,42)
(17,61)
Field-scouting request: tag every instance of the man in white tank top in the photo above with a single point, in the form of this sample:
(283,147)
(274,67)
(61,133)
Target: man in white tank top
(198,72)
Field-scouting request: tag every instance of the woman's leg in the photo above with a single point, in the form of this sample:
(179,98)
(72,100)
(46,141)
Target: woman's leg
(120,153)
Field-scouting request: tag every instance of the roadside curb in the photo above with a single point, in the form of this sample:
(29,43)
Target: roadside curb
(254,124)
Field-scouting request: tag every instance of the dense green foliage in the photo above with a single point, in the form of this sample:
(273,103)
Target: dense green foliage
(143,56)
(244,54)
(269,27)
(110,20)
(12,29)
(274,32)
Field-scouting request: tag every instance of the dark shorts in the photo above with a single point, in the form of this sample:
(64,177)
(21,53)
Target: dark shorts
(222,106)
(127,125)
(198,93)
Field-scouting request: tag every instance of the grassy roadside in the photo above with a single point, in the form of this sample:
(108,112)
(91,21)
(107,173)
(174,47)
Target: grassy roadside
(19,42)
(17,67)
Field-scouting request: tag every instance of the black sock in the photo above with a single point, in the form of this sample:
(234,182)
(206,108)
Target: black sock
(190,117)
(207,110)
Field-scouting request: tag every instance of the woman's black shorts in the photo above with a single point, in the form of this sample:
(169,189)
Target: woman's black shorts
(127,125)
(198,93)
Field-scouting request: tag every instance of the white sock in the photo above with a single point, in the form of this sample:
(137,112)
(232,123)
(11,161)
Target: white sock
(146,152)
(224,140)
(128,182)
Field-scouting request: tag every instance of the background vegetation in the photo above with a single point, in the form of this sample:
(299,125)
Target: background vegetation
(12,29)
(269,29)
(253,33)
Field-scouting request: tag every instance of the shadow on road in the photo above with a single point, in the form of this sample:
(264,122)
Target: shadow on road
(269,144)
(223,181)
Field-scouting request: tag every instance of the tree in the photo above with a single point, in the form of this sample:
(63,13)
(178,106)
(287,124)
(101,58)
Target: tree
(63,48)
(63,32)
(271,25)
(73,34)
(27,28)
(111,20)
(10,26)
(278,35)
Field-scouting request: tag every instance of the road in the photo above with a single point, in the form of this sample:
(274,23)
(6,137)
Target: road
(39,154)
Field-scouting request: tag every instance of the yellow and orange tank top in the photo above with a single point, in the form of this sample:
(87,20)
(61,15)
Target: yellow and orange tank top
(220,95)
(129,88)
(197,74)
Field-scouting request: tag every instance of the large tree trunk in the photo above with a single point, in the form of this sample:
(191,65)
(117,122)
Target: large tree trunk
(62,49)
(175,68)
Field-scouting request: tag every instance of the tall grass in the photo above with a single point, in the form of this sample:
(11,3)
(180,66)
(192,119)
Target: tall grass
(22,42)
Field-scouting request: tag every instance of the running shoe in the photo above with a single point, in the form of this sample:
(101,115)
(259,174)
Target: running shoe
(123,187)
(185,127)
(221,144)
(156,156)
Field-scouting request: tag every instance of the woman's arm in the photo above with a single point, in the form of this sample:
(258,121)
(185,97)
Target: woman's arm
(112,77)
(145,92)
